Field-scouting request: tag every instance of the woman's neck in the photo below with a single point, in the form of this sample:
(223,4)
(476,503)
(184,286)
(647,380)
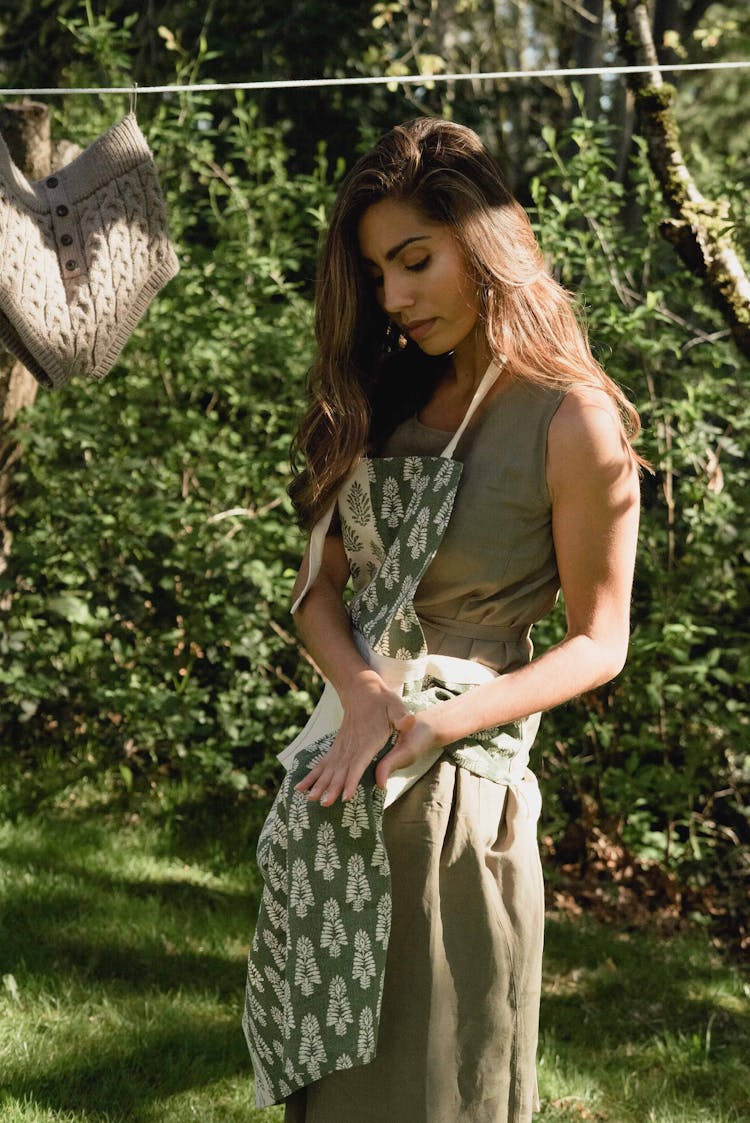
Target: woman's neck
(470,361)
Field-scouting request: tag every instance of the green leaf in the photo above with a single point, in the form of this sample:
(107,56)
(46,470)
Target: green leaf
(549,136)
(71,608)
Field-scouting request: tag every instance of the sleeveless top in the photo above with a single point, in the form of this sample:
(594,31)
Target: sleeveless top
(316,968)
(495,572)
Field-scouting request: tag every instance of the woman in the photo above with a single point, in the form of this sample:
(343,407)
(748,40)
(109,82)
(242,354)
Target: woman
(464,458)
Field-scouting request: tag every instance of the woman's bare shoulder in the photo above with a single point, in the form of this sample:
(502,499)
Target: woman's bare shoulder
(586,437)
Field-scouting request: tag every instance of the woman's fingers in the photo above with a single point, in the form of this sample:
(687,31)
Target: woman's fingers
(351,782)
(414,738)
(319,780)
(340,771)
(338,774)
(306,783)
(329,787)
(333,776)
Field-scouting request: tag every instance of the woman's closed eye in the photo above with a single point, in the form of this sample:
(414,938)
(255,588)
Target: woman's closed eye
(413,267)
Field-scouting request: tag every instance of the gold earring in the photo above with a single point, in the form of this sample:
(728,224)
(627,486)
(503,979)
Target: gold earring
(401,339)
(395,340)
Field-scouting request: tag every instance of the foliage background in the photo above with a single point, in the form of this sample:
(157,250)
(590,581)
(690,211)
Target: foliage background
(145,633)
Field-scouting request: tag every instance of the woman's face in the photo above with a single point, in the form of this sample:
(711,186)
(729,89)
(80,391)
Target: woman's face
(420,276)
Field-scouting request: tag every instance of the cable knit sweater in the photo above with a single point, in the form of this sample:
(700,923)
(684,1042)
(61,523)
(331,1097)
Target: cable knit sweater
(82,254)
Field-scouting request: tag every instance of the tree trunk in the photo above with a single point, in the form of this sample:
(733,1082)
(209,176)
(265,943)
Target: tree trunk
(588,51)
(699,227)
(26,130)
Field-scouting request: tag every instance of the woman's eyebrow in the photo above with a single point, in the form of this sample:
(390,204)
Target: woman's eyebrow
(394,251)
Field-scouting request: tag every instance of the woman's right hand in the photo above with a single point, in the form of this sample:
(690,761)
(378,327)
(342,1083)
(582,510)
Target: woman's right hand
(371,713)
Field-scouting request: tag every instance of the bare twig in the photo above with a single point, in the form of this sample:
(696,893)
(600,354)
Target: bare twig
(245,512)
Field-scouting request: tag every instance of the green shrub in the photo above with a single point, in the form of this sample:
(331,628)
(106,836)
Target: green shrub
(660,756)
(154,544)
(145,633)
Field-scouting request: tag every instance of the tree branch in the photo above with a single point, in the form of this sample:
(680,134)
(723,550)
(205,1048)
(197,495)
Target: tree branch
(699,228)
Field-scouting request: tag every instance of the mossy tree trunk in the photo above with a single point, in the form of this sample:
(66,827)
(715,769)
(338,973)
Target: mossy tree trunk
(25,127)
(699,228)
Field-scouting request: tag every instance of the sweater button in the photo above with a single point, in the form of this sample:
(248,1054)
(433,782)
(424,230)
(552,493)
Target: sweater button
(52,181)
(71,265)
(62,210)
(67,240)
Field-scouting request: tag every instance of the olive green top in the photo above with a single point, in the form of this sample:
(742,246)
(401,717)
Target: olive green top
(495,572)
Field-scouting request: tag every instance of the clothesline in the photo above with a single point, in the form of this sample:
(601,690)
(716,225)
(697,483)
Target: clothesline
(383,79)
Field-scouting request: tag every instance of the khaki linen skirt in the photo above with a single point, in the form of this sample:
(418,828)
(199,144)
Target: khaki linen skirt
(458,1027)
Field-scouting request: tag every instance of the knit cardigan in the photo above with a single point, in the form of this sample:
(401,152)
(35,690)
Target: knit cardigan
(82,254)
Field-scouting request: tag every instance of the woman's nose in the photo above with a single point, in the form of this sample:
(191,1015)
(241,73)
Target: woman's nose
(397,294)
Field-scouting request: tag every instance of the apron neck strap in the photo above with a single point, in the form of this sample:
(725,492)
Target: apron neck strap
(489,378)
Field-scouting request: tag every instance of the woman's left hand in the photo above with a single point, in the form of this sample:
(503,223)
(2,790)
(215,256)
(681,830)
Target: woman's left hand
(416,735)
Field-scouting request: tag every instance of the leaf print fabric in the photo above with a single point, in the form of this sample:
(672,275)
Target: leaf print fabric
(316,966)
(444,476)
(417,540)
(413,469)
(354,815)
(299,819)
(339,1014)
(392,509)
(359,505)
(352,542)
(423,489)
(364,547)
(311,1051)
(383,929)
(366,1038)
(441,518)
(326,855)
(364,963)
(391,570)
(306,973)
(301,895)
(357,886)
(333,937)
(317,963)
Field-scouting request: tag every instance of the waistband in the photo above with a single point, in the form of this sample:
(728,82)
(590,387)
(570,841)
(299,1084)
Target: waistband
(446,668)
(517,634)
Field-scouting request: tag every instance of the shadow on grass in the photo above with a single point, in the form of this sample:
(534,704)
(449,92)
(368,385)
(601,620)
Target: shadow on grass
(65,915)
(139,970)
(119,1084)
(83,935)
(617,1005)
(209,826)
(634,1008)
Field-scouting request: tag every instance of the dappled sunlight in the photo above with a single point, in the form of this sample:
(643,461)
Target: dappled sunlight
(127,965)
(656,1025)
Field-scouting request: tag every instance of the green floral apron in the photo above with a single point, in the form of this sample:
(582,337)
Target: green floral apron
(317,962)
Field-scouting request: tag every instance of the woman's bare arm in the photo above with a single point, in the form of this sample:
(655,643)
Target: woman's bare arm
(593,485)
(371,709)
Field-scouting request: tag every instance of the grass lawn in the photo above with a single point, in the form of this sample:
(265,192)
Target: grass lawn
(122,953)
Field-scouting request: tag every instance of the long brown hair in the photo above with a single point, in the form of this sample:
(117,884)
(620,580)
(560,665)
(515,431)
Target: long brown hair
(443,170)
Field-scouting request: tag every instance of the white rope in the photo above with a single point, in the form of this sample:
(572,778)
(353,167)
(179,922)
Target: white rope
(382,80)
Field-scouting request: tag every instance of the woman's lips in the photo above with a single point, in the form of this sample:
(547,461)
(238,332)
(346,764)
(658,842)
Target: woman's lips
(420,328)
